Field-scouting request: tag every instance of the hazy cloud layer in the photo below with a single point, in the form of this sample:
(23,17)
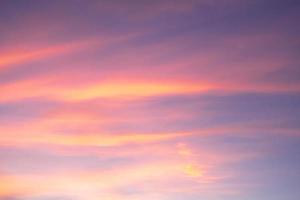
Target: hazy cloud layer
(140,100)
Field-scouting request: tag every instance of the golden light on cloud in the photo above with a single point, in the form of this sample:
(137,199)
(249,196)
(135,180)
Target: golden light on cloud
(115,89)
(191,167)
(193,170)
(45,88)
(104,140)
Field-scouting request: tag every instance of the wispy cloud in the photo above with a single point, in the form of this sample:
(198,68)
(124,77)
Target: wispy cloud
(163,100)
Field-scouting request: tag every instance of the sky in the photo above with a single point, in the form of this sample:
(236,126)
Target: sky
(149,100)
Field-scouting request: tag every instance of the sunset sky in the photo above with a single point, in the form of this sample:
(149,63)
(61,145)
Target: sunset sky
(149,100)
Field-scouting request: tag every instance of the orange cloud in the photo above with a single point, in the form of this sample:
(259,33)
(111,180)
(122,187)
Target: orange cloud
(133,88)
(23,56)
(32,135)
(45,88)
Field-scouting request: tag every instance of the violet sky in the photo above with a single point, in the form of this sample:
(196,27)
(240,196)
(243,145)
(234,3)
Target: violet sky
(149,100)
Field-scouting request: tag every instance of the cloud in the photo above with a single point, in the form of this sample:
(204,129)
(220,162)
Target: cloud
(24,56)
(135,100)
